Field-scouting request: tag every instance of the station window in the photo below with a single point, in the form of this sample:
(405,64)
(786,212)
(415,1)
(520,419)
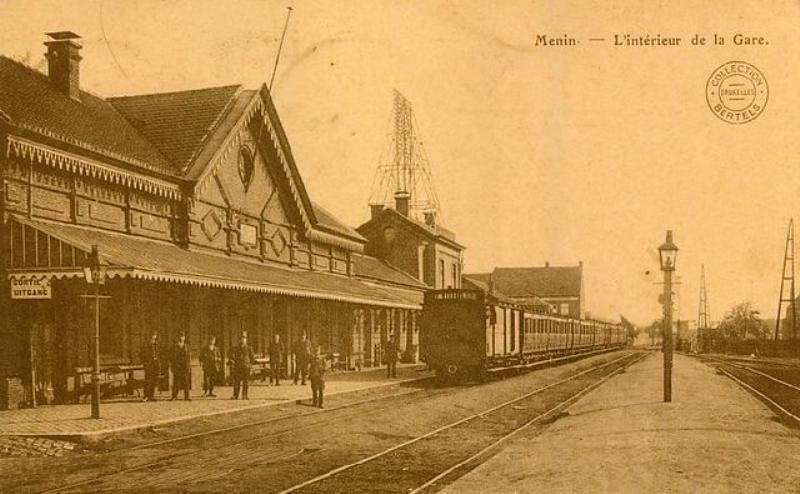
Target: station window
(564,310)
(441,273)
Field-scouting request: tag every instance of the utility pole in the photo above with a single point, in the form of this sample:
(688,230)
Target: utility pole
(703,317)
(280,48)
(787,276)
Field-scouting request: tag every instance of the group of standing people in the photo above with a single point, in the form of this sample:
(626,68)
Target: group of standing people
(178,358)
(309,363)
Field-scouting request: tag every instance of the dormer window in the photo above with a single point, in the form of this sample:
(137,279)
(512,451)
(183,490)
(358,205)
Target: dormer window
(246,166)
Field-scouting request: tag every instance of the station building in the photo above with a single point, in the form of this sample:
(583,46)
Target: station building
(201,221)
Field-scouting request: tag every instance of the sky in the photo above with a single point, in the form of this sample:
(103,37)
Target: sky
(539,154)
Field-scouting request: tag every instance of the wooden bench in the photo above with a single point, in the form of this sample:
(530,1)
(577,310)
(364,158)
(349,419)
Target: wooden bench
(116,379)
(260,369)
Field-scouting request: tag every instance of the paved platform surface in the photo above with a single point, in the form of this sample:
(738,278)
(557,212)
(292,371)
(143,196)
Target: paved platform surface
(126,415)
(713,437)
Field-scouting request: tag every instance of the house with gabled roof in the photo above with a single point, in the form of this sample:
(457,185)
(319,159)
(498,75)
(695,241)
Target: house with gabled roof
(199,216)
(425,250)
(561,287)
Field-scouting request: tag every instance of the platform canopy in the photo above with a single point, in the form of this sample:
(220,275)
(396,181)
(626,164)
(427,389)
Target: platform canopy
(39,248)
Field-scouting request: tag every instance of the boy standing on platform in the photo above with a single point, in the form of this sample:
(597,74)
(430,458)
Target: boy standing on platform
(317,377)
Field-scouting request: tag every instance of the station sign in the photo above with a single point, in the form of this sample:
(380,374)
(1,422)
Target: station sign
(30,287)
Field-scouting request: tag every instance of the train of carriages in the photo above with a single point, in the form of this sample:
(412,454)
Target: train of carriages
(467,333)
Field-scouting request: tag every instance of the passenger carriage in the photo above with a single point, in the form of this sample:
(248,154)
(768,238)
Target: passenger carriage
(466,333)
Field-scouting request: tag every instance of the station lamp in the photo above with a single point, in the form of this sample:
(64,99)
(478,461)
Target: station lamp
(668,253)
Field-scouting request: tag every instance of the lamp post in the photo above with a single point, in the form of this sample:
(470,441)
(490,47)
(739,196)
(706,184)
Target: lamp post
(95,274)
(667,254)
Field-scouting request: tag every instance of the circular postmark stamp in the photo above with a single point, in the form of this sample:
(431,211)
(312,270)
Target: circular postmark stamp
(737,92)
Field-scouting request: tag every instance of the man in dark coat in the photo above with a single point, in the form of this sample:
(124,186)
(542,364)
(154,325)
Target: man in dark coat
(317,377)
(151,361)
(390,356)
(275,358)
(302,353)
(241,359)
(210,360)
(180,362)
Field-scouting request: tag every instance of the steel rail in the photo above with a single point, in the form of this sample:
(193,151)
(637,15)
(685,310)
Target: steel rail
(756,371)
(443,428)
(759,394)
(569,401)
(187,437)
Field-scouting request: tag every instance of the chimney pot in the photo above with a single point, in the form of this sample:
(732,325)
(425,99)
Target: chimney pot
(401,198)
(63,62)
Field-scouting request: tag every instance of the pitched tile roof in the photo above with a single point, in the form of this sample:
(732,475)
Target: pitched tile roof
(328,221)
(161,132)
(30,102)
(547,281)
(177,123)
(373,268)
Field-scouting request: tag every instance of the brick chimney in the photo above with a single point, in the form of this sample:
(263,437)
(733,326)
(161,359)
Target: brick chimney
(63,62)
(401,198)
(375,210)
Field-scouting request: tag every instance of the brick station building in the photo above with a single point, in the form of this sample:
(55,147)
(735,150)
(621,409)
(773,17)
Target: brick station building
(425,250)
(200,217)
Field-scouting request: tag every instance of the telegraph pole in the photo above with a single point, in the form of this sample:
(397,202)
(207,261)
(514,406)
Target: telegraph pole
(787,278)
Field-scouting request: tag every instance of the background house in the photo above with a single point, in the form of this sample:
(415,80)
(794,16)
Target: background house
(561,287)
(425,250)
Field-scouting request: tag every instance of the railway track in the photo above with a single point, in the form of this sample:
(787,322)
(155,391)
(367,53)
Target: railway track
(372,470)
(319,417)
(225,454)
(779,394)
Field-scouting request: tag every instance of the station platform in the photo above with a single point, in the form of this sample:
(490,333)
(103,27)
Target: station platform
(126,415)
(621,437)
